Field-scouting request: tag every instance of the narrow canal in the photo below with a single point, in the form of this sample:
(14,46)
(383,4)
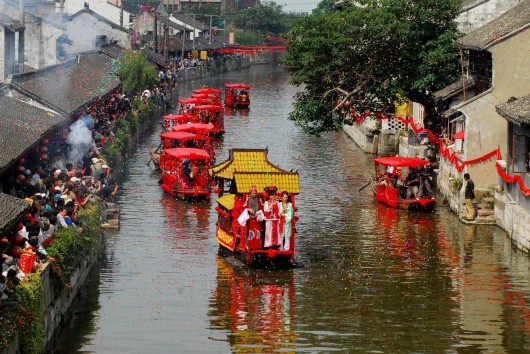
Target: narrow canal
(375,279)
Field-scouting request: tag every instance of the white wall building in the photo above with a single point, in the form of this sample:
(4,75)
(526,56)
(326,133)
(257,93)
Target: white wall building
(88,29)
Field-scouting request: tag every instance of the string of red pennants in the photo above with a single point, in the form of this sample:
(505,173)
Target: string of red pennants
(252,49)
(451,156)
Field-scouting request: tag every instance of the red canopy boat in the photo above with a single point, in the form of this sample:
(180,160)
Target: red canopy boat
(211,114)
(171,140)
(187,105)
(170,120)
(198,128)
(264,237)
(185,173)
(390,186)
(237,95)
(209,90)
(215,100)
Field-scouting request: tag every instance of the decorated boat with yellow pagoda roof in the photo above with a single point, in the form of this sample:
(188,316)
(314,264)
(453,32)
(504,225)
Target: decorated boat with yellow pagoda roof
(256,209)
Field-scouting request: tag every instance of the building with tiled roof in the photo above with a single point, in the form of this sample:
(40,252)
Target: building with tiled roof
(88,30)
(504,26)
(476,13)
(516,110)
(11,211)
(23,123)
(69,86)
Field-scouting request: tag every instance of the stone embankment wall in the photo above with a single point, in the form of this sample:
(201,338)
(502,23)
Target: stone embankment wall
(214,68)
(382,144)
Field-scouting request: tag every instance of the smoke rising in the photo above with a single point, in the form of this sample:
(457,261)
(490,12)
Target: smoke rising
(80,139)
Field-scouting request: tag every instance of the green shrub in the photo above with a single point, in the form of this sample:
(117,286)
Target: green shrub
(30,302)
(70,246)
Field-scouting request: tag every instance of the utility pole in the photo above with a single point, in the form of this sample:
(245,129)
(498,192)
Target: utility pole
(121,13)
(210,33)
(183,40)
(193,47)
(155,32)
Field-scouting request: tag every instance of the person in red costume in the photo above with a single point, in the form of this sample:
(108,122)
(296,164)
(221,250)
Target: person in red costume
(271,212)
(251,218)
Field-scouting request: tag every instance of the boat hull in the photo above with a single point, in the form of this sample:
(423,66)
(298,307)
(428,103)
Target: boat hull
(390,197)
(257,258)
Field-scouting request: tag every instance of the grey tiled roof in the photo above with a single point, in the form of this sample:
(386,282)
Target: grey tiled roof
(113,50)
(481,38)
(67,87)
(454,88)
(10,23)
(516,110)
(11,209)
(154,57)
(21,126)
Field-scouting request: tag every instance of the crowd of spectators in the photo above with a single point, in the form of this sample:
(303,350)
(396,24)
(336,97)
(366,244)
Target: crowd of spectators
(57,188)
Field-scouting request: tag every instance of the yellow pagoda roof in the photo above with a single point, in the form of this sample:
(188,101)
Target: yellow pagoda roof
(244,160)
(284,181)
(226,201)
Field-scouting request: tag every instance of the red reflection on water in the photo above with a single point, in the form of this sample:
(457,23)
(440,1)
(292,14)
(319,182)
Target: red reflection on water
(256,306)
(188,221)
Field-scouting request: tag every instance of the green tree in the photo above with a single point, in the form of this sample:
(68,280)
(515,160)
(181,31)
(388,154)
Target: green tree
(135,72)
(265,18)
(371,56)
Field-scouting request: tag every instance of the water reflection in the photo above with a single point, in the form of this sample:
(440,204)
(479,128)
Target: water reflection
(254,308)
(375,278)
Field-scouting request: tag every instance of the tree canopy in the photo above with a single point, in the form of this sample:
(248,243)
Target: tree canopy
(370,55)
(135,73)
(265,18)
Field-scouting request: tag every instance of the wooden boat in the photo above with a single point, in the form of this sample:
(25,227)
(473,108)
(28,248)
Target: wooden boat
(197,128)
(171,120)
(171,140)
(215,100)
(247,240)
(185,173)
(211,114)
(389,187)
(237,95)
(209,90)
(187,105)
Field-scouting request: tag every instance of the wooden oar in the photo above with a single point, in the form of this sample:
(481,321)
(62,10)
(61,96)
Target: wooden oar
(366,185)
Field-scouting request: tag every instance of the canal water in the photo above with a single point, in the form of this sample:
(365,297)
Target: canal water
(374,279)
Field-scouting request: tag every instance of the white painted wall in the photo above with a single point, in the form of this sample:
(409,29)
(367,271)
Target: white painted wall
(40,47)
(102,7)
(84,28)
(2,59)
(484,13)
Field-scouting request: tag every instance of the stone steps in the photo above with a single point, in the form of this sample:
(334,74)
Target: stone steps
(112,214)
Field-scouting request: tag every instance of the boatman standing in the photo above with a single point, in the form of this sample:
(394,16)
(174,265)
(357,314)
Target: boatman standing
(469,196)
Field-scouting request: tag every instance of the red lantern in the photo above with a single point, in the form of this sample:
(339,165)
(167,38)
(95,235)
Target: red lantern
(21,169)
(44,150)
(43,157)
(16,251)
(21,161)
(271,253)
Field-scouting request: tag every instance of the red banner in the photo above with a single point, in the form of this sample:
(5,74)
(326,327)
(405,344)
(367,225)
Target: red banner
(512,179)
(451,156)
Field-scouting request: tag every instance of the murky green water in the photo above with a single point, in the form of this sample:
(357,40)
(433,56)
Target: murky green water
(375,279)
